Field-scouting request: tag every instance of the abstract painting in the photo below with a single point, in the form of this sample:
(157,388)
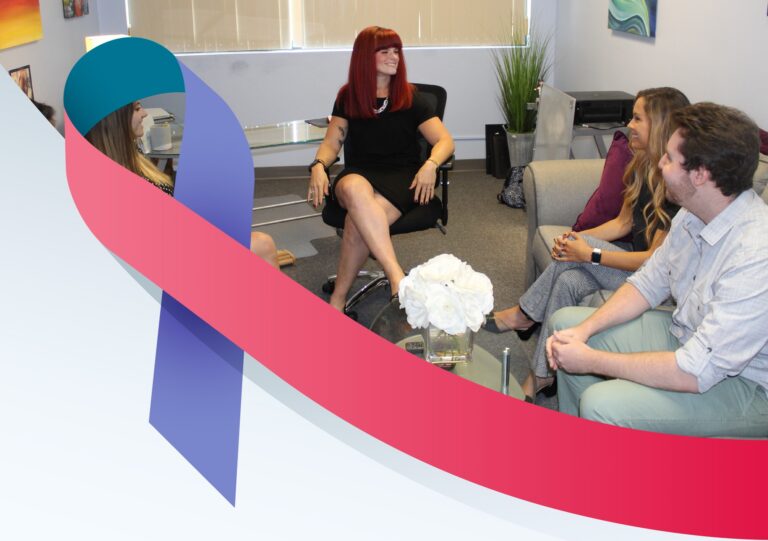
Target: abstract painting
(20,22)
(74,8)
(633,16)
(23,78)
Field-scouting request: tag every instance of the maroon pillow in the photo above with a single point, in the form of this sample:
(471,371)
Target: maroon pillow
(605,203)
(764,141)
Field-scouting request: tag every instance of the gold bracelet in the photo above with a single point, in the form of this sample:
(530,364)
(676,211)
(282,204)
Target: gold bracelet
(433,161)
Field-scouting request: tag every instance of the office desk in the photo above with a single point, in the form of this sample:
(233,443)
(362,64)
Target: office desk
(295,132)
(597,131)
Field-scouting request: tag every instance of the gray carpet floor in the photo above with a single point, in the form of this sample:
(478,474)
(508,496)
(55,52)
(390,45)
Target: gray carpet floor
(488,235)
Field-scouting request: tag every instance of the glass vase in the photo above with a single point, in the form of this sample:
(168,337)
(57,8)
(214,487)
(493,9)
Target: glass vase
(443,348)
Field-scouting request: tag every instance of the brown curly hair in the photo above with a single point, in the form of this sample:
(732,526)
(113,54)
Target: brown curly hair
(660,103)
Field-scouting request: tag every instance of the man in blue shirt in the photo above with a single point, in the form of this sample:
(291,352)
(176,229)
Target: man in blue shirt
(703,368)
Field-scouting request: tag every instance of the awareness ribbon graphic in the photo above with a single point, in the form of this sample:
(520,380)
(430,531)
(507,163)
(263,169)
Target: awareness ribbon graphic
(198,372)
(698,486)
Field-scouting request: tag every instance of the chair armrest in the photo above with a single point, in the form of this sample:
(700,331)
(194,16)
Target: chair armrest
(442,179)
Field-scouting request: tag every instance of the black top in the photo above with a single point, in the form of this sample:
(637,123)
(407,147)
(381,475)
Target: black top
(638,219)
(390,139)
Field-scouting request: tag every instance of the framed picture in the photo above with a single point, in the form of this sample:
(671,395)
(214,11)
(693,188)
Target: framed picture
(633,16)
(23,78)
(20,22)
(74,8)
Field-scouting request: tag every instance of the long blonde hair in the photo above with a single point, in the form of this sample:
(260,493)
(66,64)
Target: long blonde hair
(113,136)
(660,103)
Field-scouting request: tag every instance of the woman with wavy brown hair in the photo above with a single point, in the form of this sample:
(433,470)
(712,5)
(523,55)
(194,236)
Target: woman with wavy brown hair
(384,176)
(115,136)
(591,260)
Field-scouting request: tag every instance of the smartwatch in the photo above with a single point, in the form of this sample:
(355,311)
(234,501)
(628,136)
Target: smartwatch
(315,162)
(597,254)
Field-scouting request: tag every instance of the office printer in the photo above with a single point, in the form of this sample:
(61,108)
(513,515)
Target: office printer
(602,107)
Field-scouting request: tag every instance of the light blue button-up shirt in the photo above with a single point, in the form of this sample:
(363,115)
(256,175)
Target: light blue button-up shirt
(718,274)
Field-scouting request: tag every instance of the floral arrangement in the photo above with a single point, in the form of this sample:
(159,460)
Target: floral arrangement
(446,293)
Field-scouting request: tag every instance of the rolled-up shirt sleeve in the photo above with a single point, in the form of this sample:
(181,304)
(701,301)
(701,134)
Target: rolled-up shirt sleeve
(652,279)
(733,328)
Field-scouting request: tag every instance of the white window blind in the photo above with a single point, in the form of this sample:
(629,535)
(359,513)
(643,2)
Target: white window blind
(241,25)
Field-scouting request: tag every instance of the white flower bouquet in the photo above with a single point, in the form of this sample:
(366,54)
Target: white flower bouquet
(446,293)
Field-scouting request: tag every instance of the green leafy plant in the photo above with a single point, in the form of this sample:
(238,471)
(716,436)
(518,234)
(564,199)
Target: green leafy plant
(519,69)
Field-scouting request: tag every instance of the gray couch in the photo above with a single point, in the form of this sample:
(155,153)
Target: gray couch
(556,191)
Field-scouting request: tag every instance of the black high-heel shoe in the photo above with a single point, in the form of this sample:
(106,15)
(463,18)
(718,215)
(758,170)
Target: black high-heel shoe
(526,334)
(490,325)
(548,389)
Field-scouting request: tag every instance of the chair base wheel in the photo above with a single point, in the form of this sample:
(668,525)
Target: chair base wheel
(329,286)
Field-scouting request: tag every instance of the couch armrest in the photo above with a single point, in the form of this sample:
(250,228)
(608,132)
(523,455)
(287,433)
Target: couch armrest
(556,191)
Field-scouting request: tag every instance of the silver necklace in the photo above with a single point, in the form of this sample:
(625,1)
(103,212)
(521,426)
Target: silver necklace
(383,106)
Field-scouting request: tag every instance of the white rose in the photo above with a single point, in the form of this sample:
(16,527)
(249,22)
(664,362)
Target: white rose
(447,293)
(442,268)
(413,299)
(445,309)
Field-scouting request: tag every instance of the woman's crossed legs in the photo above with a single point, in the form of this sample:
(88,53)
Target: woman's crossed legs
(366,231)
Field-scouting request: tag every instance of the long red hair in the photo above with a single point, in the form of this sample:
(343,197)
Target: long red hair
(358,96)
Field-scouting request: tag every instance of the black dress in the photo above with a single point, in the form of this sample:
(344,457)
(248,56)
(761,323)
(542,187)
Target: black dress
(385,150)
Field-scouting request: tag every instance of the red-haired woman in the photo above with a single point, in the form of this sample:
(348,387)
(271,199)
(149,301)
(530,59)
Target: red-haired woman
(383,178)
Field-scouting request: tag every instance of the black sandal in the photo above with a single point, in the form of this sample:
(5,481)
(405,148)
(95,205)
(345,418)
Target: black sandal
(490,325)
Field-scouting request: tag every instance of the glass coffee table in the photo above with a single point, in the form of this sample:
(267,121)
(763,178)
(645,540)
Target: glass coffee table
(484,369)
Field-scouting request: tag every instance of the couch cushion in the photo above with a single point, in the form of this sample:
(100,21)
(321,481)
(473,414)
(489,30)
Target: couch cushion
(605,203)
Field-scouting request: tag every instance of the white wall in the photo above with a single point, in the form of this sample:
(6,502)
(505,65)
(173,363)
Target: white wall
(263,88)
(51,58)
(267,87)
(710,49)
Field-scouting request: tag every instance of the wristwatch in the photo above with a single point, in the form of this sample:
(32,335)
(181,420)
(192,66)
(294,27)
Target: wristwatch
(315,162)
(597,254)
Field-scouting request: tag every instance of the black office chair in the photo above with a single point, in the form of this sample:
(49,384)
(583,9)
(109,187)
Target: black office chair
(433,214)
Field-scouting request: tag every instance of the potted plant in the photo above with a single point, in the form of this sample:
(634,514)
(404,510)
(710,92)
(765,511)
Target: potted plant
(520,67)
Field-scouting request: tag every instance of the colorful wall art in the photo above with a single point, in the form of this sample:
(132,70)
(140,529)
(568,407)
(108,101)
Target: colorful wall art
(23,78)
(633,16)
(74,8)
(19,22)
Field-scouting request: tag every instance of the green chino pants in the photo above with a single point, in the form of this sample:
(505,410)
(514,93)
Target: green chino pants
(735,407)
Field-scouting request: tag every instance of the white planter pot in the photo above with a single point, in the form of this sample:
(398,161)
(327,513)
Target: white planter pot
(520,148)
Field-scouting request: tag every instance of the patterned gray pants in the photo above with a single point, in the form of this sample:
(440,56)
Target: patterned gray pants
(566,284)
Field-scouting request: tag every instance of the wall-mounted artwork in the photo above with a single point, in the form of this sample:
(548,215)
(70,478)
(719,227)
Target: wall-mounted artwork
(23,78)
(633,16)
(20,22)
(75,8)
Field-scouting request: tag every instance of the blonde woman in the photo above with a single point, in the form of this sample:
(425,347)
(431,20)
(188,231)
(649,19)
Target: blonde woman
(115,136)
(587,261)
